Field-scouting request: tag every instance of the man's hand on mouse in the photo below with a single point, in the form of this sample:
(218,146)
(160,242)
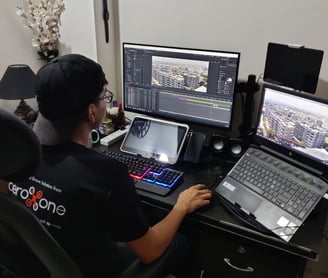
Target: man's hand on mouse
(193,198)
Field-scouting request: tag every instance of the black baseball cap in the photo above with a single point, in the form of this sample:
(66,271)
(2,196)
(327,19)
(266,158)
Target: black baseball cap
(66,85)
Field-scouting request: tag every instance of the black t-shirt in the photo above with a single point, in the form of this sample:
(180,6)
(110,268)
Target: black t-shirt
(87,201)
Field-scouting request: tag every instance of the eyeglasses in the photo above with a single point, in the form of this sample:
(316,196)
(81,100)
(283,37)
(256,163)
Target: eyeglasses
(108,97)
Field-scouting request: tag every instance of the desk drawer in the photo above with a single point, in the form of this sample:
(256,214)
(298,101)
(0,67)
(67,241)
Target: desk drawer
(226,256)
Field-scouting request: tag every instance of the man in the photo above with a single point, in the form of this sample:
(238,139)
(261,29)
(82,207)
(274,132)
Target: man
(86,200)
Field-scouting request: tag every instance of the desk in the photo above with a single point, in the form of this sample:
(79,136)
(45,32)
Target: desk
(224,246)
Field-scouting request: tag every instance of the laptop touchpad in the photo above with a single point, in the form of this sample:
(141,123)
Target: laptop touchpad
(247,200)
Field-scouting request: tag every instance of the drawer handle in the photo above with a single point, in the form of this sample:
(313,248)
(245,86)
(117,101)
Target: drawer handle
(248,269)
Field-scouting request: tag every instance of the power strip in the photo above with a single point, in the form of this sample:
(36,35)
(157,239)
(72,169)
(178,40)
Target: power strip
(114,136)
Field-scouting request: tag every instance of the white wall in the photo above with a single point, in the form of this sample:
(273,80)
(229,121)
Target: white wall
(109,53)
(238,25)
(77,31)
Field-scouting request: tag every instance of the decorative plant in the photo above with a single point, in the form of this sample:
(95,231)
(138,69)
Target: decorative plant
(43,17)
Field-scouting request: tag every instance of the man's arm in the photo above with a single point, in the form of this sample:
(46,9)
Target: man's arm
(152,245)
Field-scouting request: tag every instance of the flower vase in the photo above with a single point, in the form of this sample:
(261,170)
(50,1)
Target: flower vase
(48,56)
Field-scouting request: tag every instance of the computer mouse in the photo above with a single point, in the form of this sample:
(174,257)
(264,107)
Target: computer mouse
(206,207)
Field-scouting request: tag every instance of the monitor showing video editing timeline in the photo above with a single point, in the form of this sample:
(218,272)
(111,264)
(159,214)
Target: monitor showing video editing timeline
(181,84)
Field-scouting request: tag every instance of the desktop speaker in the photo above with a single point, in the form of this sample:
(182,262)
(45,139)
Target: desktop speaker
(231,148)
(236,148)
(218,143)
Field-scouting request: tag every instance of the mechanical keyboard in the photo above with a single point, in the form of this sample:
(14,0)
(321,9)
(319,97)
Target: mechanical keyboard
(148,175)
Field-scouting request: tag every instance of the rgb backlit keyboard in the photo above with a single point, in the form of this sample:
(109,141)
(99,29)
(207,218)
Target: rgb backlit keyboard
(148,174)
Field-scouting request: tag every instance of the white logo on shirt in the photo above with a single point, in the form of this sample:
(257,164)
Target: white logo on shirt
(35,199)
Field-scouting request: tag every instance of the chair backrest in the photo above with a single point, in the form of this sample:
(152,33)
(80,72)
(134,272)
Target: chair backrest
(28,228)
(20,152)
(19,147)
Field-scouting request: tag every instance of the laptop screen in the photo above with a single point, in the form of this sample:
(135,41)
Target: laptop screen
(294,124)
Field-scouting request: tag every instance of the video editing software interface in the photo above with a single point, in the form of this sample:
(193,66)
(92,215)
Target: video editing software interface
(186,85)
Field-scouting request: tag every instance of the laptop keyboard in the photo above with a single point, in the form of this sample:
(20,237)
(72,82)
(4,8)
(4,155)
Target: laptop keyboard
(278,182)
(148,174)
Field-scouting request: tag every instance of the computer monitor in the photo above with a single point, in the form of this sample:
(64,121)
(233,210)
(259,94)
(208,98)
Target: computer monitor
(293,66)
(182,84)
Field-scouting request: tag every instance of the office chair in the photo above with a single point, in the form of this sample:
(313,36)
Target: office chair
(27,249)
(22,237)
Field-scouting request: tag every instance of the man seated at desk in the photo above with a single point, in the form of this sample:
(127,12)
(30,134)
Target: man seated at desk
(82,196)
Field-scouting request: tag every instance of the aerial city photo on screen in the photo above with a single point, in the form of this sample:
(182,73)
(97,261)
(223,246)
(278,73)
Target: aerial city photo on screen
(295,123)
(179,73)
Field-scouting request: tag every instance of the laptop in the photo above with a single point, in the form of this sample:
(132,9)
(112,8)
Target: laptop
(152,146)
(286,168)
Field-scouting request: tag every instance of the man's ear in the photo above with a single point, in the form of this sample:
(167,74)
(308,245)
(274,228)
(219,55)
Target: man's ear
(91,113)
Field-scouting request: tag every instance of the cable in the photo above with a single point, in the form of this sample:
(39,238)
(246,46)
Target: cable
(260,77)
(244,217)
(325,236)
(291,227)
(242,102)
(248,220)
(7,272)
(128,120)
(219,174)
